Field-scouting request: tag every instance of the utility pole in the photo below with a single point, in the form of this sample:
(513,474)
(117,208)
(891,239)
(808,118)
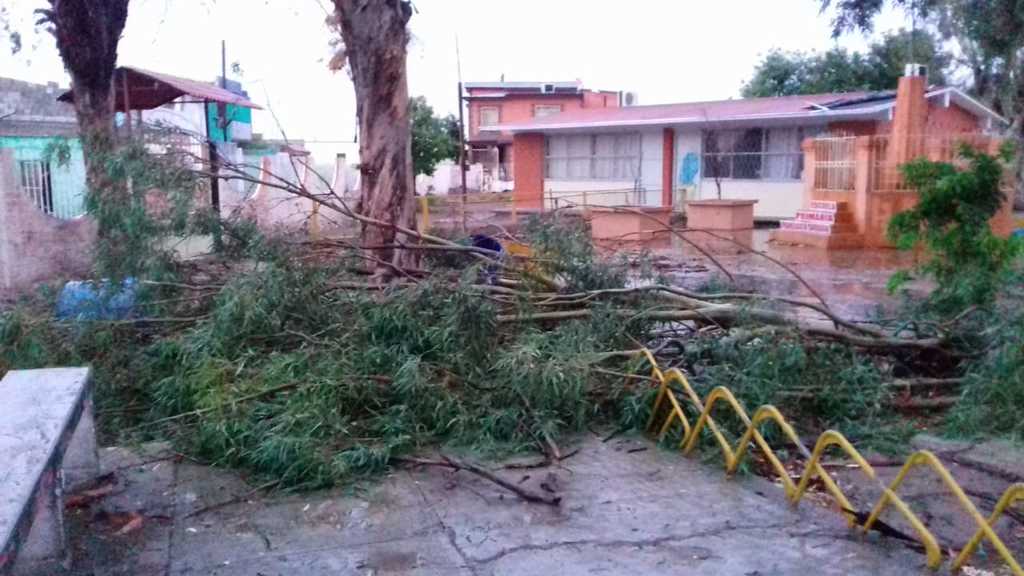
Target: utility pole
(462,136)
(212,147)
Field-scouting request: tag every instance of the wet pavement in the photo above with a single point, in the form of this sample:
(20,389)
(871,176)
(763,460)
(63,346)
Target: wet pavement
(627,508)
(851,282)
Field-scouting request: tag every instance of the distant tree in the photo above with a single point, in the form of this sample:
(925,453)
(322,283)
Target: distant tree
(889,55)
(787,73)
(433,139)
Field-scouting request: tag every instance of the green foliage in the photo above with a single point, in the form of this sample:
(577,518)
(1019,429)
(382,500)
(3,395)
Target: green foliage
(147,201)
(288,377)
(951,220)
(837,70)
(433,138)
(993,391)
(576,260)
(816,386)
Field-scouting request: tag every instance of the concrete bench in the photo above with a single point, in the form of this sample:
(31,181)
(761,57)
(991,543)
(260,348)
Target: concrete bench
(47,446)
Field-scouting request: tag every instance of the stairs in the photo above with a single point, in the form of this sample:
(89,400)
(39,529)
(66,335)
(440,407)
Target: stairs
(826,224)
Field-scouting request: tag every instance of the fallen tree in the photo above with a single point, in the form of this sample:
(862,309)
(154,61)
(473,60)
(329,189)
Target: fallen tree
(292,359)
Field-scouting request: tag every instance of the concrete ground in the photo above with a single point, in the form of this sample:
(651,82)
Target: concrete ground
(628,508)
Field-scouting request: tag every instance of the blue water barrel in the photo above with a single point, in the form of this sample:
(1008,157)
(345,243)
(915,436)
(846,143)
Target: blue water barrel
(81,300)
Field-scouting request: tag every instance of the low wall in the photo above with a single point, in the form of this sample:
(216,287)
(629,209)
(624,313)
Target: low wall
(36,247)
(776,199)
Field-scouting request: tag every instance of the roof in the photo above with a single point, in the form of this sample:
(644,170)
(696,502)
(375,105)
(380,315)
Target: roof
(148,90)
(538,86)
(807,108)
(28,109)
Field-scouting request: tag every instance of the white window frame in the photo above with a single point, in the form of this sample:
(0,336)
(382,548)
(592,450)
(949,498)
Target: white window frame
(596,162)
(36,180)
(497,115)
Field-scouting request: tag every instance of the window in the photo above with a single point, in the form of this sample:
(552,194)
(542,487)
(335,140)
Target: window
(755,153)
(490,115)
(542,110)
(593,157)
(35,181)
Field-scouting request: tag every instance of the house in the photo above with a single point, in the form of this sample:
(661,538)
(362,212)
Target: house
(32,122)
(224,122)
(494,103)
(665,155)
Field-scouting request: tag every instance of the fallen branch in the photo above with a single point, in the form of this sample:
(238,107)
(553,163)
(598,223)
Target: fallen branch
(551,451)
(452,463)
(726,314)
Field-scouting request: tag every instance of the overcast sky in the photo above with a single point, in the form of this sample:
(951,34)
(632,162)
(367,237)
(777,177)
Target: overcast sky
(665,50)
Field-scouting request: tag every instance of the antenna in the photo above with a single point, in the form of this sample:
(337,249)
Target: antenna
(913,30)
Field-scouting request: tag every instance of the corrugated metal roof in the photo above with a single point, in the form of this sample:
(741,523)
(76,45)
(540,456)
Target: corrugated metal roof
(148,90)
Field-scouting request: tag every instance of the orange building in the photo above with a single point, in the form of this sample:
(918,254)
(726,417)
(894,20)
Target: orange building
(758,149)
(493,103)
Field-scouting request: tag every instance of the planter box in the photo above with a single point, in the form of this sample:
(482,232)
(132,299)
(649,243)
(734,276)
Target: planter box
(628,226)
(720,214)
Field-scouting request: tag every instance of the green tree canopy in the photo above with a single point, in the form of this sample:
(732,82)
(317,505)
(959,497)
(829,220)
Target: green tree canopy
(837,70)
(433,138)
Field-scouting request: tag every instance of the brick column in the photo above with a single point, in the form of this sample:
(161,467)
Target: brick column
(909,119)
(668,160)
(528,171)
(863,162)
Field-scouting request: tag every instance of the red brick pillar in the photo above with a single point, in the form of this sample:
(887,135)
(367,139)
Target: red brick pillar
(528,171)
(668,160)
(909,119)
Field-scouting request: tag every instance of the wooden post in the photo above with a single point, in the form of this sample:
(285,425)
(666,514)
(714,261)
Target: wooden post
(127,102)
(424,226)
(314,223)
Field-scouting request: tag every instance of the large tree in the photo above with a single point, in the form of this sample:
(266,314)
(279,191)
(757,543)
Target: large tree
(837,70)
(374,37)
(433,138)
(87,34)
(990,34)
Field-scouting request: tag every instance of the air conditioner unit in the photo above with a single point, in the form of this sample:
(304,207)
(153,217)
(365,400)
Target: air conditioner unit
(629,99)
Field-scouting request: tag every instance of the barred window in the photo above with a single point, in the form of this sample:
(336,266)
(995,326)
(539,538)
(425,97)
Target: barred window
(35,182)
(755,153)
(593,157)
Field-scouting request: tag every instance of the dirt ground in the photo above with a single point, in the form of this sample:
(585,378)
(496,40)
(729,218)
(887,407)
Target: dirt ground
(627,507)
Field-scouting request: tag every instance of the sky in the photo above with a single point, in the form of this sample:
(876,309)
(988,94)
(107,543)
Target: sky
(664,50)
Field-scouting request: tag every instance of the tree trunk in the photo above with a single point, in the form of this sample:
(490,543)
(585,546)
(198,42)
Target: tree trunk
(87,33)
(375,37)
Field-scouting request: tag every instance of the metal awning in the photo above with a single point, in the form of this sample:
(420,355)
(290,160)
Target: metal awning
(148,90)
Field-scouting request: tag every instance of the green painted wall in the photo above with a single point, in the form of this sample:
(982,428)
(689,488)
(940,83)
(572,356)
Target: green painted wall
(233,114)
(68,181)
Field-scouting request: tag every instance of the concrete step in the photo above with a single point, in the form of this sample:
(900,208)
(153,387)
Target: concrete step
(818,240)
(823,228)
(826,216)
(829,205)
